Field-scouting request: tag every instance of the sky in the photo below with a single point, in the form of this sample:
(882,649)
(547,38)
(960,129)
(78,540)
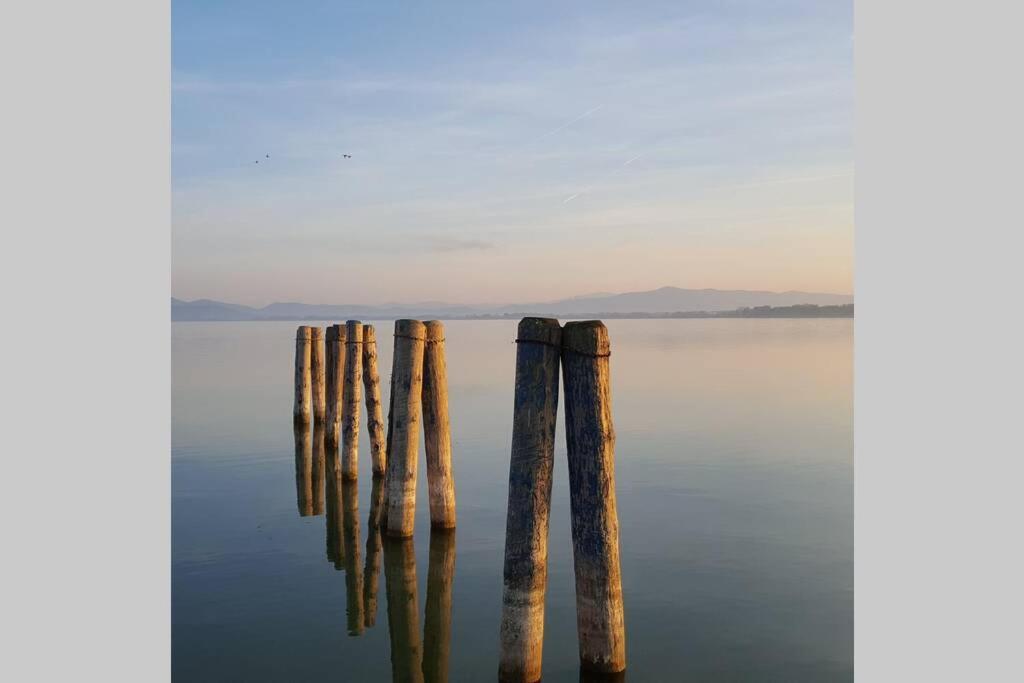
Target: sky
(509,152)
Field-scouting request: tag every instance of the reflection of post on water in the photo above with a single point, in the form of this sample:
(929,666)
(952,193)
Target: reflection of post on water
(335,512)
(403,624)
(318,469)
(598,677)
(373,551)
(353,569)
(303,469)
(437,619)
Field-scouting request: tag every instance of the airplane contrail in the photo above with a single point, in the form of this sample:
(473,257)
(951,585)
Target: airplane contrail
(566,125)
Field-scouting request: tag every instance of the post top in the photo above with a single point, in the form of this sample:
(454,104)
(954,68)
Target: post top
(317,331)
(409,328)
(435,330)
(369,334)
(543,330)
(303,332)
(331,334)
(586,337)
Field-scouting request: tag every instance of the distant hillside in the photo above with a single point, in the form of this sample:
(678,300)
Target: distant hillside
(664,302)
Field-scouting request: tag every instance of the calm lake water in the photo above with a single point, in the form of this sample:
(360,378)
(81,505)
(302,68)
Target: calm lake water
(734,468)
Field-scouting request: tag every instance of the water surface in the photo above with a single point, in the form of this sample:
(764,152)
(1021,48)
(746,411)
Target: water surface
(734,467)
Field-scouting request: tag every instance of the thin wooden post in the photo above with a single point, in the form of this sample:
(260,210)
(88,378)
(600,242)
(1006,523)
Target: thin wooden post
(317,370)
(373,553)
(303,409)
(437,429)
(350,399)
(407,385)
(303,469)
(437,617)
(403,623)
(353,568)
(529,500)
(335,347)
(590,440)
(374,414)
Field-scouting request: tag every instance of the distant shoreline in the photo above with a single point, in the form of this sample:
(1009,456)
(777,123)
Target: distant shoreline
(800,311)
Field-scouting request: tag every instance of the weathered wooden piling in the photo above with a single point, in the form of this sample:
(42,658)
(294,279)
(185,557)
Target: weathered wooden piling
(529,500)
(303,469)
(437,617)
(317,371)
(335,352)
(374,413)
(437,429)
(373,552)
(353,568)
(350,399)
(590,440)
(303,409)
(319,463)
(407,386)
(403,622)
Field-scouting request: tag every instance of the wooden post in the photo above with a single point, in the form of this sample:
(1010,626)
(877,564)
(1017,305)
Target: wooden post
(335,511)
(407,381)
(374,414)
(590,440)
(350,399)
(303,469)
(373,553)
(318,469)
(335,343)
(437,429)
(529,500)
(317,370)
(437,618)
(403,624)
(303,410)
(353,569)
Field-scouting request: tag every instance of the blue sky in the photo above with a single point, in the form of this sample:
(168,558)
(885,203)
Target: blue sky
(506,152)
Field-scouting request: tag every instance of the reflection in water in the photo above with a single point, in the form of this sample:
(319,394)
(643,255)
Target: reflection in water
(403,625)
(596,677)
(373,551)
(303,470)
(335,540)
(318,470)
(437,620)
(353,569)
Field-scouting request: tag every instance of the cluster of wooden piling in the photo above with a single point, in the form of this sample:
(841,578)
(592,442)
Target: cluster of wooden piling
(333,373)
(583,350)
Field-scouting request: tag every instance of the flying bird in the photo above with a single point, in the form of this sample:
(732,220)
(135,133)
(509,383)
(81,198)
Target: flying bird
(347,156)
(268,156)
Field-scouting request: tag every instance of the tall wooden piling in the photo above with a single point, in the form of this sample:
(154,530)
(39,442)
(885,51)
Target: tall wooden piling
(350,399)
(437,617)
(437,429)
(303,409)
(374,412)
(335,353)
(353,568)
(590,440)
(317,372)
(373,552)
(529,500)
(303,469)
(403,623)
(407,385)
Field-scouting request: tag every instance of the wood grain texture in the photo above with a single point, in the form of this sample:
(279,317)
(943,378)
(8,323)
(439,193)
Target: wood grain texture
(437,429)
(303,407)
(529,500)
(317,373)
(374,410)
(335,353)
(590,440)
(351,395)
(403,608)
(407,378)
(437,617)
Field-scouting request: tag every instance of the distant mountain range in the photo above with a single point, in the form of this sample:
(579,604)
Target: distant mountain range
(663,302)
